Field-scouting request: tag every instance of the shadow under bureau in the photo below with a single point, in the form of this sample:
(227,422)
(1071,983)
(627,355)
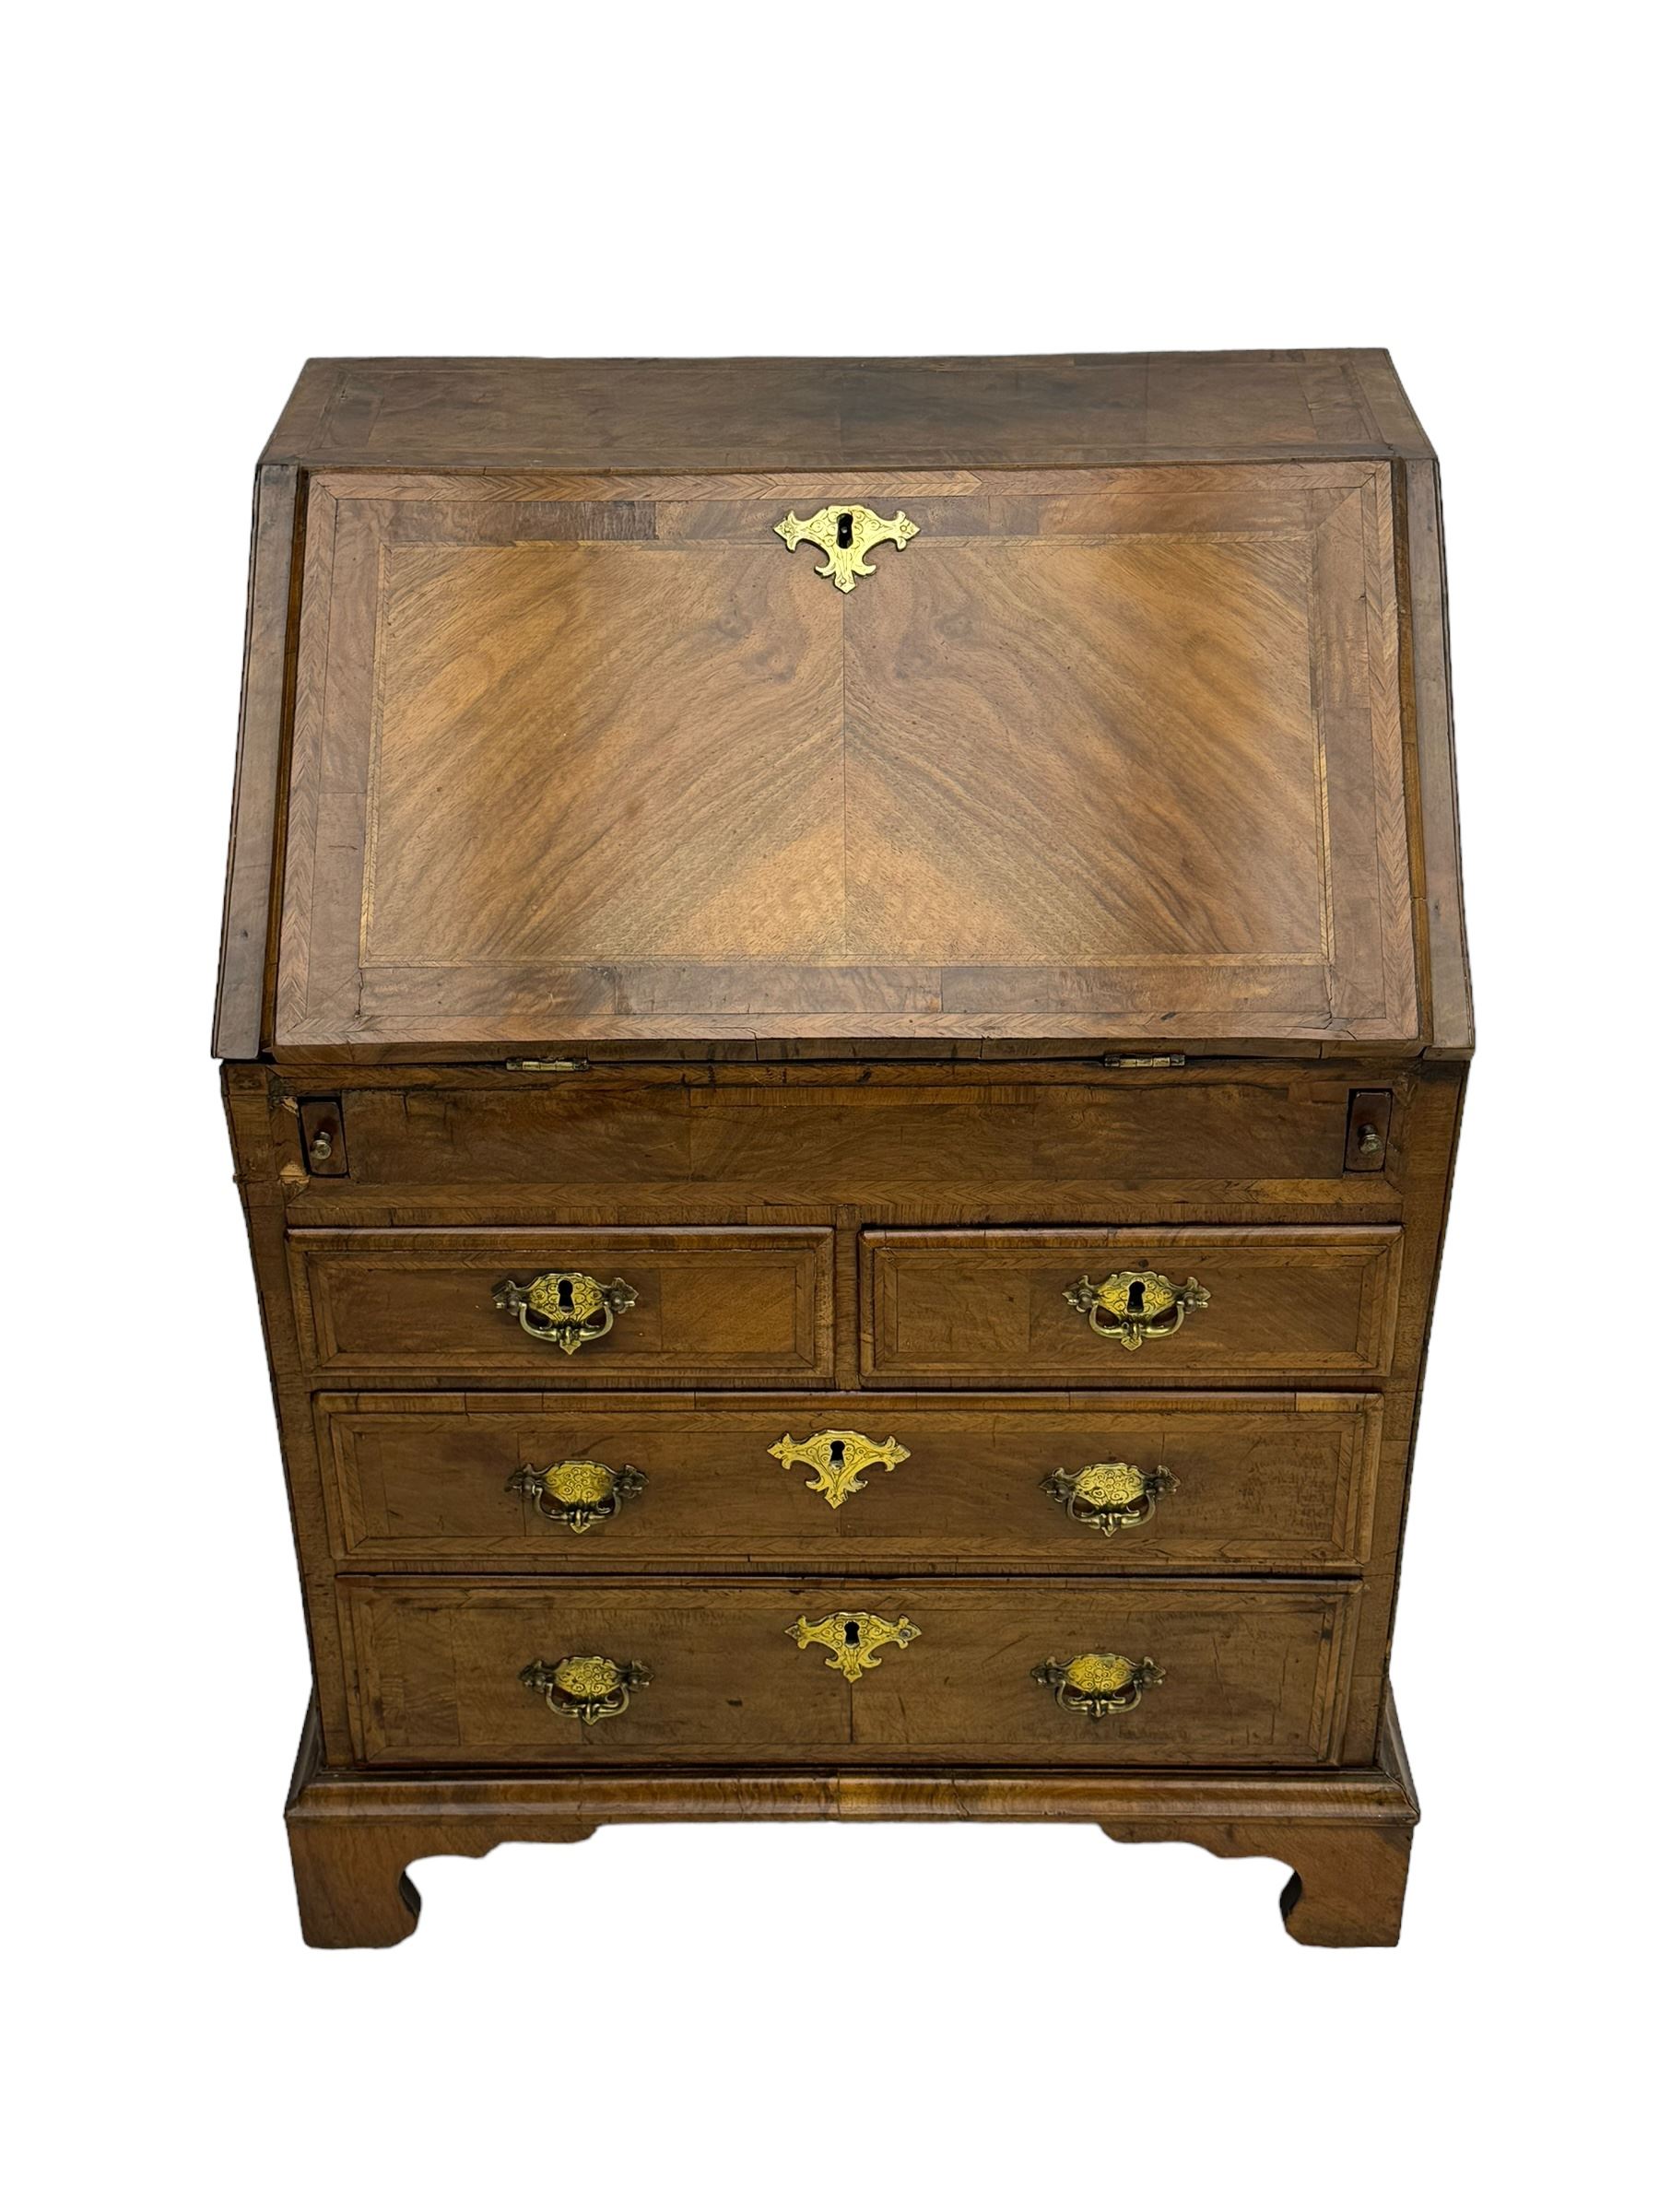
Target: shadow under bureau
(843,1014)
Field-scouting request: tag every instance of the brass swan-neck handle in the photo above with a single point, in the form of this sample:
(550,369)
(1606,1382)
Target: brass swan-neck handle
(1137,1305)
(1110,1495)
(578,1493)
(565,1307)
(585,1687)
(1098,1683)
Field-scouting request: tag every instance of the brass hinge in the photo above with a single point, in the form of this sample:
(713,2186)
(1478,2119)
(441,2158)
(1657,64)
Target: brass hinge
(548,1067)
(1143,1059)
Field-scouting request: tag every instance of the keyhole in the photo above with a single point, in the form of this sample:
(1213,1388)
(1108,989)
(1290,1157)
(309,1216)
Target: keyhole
(843,531)
(565,1300)
(1137,1296)
(837,1453)
(849,1633)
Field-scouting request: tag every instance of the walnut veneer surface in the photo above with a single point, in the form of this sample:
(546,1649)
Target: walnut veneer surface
(817,995)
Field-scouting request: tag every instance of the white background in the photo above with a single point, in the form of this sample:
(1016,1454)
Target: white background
(776,2017)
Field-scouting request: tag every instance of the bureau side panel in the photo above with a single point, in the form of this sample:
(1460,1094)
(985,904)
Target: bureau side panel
(247,1106)
(1429,1154)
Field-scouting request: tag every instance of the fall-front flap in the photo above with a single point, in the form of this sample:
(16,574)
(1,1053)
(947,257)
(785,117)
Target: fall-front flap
(1104,753)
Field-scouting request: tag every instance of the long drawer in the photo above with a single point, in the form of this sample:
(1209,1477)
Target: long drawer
(842,1673)
(698,1305)
(878,1135)
(1119,1306)
(1086,1484)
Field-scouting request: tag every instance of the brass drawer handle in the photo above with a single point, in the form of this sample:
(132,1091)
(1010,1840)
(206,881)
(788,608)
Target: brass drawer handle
(581,1491)
(841,1456)
(564,1307)
(1136,1305)
(853,1639)
(1110,1495)
(845,535)
(1098,1683)
(586,1690)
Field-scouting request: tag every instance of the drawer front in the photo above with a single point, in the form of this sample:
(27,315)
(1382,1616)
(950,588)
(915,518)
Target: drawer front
(740,1305)
(1252,1674)
(998,1305)
(1255,1481)
(886,1136)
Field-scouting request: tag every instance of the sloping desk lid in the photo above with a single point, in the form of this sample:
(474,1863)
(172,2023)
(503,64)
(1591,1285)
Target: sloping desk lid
(1105,753)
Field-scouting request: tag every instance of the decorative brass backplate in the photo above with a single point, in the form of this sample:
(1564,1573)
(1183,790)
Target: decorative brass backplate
(846,534)
(1136,1305)
(585,1688)
(852,1639)
(1110,1495)
(841,1456)
(1097,1682)
(577,1492)
(564,1307)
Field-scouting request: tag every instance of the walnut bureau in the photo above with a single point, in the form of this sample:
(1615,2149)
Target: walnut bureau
(843,1013)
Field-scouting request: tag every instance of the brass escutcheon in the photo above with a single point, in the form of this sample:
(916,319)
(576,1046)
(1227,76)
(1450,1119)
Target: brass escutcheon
(1098,1683)
(853,1639)
(578,1492)
(841,1456)
(585,1688)
(565,1307)
(845,535)
(1110,1495)
(1136,1305)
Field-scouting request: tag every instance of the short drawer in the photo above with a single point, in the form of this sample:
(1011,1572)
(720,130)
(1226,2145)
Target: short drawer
(775,1673)
(583,1484)
(696,1305)
(1012,1306)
